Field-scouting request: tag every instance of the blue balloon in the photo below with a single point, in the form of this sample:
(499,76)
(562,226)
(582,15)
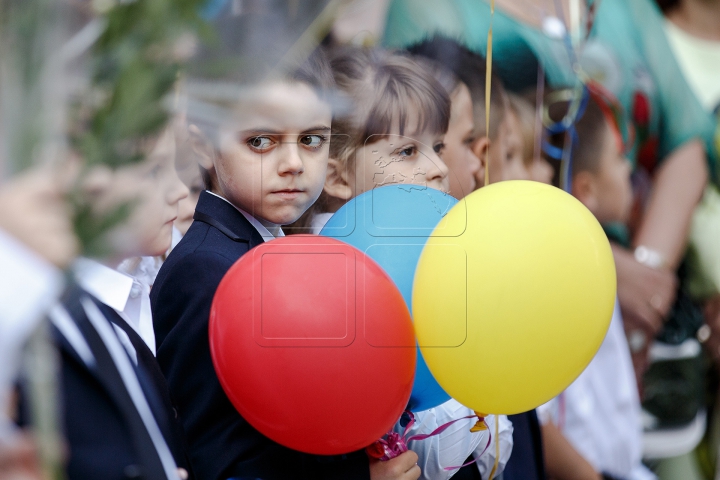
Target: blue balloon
(391,224)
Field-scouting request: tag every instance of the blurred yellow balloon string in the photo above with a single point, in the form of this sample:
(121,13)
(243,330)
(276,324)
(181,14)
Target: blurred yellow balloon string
(480,426)
(497,447)
(488,89)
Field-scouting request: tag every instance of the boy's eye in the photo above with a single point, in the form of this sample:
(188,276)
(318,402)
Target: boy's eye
(259,143)
(313,141)
(438,147)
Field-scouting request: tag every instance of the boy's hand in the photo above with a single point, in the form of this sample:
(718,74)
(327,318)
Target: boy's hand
(402,467)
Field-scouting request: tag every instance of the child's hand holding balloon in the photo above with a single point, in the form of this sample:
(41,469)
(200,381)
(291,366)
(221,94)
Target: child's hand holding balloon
(402,467)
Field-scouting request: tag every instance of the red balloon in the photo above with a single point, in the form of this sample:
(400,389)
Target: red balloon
(313,344)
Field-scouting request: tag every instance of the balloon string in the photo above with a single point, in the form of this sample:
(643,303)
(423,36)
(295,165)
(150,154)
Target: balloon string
(394,444)
(488,85)
(476,428)
(439,429)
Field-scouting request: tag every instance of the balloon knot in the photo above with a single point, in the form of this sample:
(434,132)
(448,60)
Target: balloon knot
(480,425)
(389,447)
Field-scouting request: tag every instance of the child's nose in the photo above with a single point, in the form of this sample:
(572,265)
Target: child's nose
(437,170)
(290,161)
(178,189)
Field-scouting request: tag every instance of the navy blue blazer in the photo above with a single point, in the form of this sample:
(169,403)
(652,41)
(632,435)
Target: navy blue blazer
(152,379)
(105,433)
(222,444)
(526,461)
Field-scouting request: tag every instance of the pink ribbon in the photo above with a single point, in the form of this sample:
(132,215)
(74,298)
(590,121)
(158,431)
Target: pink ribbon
(394,444)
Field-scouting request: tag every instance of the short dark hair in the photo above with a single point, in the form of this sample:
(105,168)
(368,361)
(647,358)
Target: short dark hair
(470,68)
(667,5)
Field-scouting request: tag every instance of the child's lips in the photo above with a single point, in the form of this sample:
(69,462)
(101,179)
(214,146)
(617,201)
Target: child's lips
(288,193)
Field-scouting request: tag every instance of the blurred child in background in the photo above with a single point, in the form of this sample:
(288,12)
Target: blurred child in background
(492,148)
(599,413)
(144,239)
(116,413)
(524,121)
(489,146)
(188,169)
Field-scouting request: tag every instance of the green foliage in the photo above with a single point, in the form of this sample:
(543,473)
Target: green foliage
(135,63)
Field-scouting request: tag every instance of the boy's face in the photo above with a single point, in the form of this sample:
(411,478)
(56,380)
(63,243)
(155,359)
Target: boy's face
(457,154)
(541,171)
(612,188)
(153,191)
(514,167)
(273,158)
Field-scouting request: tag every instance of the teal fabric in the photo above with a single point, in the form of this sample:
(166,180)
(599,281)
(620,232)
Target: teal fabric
(627,51)
(516,46)
(634,31)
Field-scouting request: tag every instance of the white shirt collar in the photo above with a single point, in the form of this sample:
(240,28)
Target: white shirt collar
(261,229)
(107,285)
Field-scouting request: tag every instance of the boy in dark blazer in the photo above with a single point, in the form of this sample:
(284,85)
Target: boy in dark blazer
(261,172)
(116,416)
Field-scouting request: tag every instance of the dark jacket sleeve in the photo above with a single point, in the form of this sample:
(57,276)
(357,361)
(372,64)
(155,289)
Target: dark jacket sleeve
(222,444)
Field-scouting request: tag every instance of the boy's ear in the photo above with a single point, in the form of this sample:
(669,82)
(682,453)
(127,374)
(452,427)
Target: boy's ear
(337,183)
(201,147)
(481,149)
(583,188)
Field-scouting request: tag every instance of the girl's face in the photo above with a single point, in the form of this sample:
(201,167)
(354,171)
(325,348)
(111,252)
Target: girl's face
(274,157)
(153,190)
(458,155)
(397,159)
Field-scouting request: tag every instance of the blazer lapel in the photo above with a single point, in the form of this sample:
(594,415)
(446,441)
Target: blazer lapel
(227,219)
(107,374)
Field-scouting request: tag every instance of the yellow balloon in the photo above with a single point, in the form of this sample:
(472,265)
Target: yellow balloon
(509,312)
